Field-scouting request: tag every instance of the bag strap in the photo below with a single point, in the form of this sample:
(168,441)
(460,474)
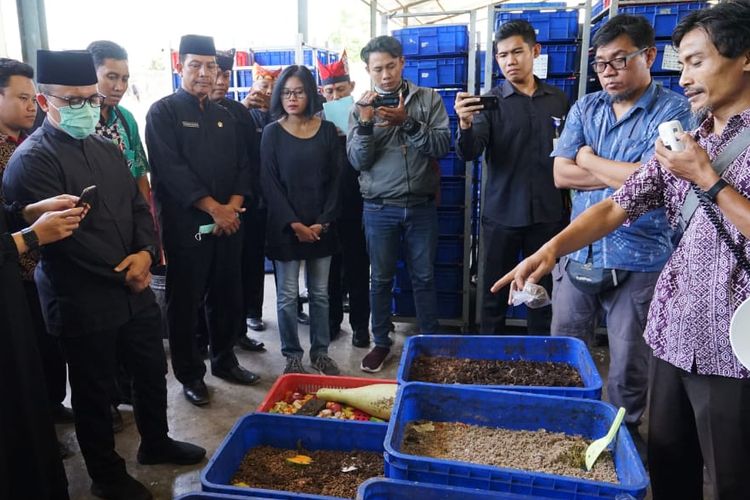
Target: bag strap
(722,161)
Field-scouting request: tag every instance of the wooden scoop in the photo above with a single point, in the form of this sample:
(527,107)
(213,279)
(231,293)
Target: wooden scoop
(597,447)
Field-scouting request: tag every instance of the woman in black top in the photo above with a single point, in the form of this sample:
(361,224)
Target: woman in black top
(30,463)
(301,161)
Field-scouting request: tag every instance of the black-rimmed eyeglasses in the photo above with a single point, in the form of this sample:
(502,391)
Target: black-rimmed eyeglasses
(617,63)
(95,101)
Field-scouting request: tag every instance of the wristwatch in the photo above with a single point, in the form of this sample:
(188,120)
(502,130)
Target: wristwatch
(366,124)
(714,190)
(30,238)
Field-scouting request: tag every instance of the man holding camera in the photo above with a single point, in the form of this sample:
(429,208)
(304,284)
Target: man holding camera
(393,148)
(522,208)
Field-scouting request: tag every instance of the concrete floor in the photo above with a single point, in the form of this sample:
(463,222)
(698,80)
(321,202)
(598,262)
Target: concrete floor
(208,425)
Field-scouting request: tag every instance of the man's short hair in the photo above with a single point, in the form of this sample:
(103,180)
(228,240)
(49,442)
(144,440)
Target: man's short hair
(727,25)
(104,49)
(383,43)
(308,83)
(11,67)
(518,27)
(637,28)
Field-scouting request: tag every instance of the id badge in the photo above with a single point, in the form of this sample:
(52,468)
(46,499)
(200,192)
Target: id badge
(204,229)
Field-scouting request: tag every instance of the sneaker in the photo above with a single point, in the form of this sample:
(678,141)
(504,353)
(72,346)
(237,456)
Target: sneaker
(326,365)
(374,360)
(294,365)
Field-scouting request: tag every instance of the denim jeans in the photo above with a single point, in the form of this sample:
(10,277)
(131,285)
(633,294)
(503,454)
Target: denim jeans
(287,290)
(385,227)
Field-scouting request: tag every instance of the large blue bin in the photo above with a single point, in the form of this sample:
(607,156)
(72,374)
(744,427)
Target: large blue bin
(558,25)
(392,489)
(258,429)
(509,348)
(443,72)
(510,410)
(663,17)
(434,40)
(202,495)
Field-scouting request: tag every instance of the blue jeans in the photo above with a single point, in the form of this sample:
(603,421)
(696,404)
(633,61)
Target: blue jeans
(385,227)
(287,291)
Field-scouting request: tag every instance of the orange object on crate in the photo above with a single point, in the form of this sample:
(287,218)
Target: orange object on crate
(309,383)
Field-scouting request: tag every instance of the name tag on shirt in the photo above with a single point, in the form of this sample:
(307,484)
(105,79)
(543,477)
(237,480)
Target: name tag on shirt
(191,124)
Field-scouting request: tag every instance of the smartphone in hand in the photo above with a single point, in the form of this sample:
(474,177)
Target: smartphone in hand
(489,102)
(88,195)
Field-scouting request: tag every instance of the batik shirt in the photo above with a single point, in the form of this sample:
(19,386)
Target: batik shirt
(701,285)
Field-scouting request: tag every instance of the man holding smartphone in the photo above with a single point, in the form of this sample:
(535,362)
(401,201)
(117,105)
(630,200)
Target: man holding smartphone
(392,148)
(522,207)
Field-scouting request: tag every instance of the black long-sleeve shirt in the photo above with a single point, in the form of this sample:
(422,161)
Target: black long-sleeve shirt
(300,180)
(78,285)
(194,153)
(520,188)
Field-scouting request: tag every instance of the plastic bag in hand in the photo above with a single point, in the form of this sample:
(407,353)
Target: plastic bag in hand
(533,295)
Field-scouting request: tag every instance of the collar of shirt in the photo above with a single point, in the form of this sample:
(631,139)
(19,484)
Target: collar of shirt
(12,140)
(507,89)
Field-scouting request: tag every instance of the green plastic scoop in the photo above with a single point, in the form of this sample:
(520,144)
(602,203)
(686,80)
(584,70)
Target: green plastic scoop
(597,447)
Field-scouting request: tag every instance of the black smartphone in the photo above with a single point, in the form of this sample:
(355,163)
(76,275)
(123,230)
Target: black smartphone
(489,102)
(388,101)
(87,197)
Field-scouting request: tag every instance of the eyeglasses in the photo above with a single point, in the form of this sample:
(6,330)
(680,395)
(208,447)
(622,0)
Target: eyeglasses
(95,101)
(617,63)
(287,94)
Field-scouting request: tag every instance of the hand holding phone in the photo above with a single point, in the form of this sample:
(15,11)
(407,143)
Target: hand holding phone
(88,195)
(489,102)
(668,134)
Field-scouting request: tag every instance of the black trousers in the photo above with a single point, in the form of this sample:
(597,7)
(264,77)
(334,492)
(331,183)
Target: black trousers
(697,420)
(92,361)
(53,361)
(253,260)
(350,272)
(208,272)
(503,246)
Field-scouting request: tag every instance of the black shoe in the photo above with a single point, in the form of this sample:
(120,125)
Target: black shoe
(196,392)
(236,374)
(256,324)
(171,452)
(361,338)
(304,296)
(124,488)
(303,318)
(61,414)
(252,345)
(117,424)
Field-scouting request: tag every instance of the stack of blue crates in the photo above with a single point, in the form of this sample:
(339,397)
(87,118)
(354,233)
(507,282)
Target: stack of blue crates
(436,56)
(664,18)
(556,30)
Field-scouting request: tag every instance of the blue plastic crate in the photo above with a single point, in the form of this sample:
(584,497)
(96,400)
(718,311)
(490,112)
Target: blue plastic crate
(663,17)
(450,221)
(531,5)
(449,99)
(241,95)
(558,25)
(280,431)
(451,165)
(452,191)
(450,250)
(434,40)
(671,82)
(282,57)
(516,411)
(443,72)
(567,85)
(244,78)
(176,81)
(510,348)
(393,489)
(202,495)
(561,58)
